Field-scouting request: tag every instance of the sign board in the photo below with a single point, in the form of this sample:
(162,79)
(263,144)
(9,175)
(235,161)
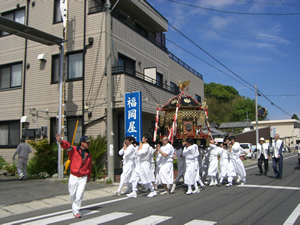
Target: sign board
(133,115)
(272,132)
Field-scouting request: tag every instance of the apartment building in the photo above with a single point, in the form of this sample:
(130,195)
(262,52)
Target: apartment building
(29,71)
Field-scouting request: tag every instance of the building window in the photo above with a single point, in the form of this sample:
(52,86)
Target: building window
(198,98)
(10,76)
(126,65)
(16,15)
(174,87)
(142,30)
(74,65)
(57,18)
(55,69)
(159,79)
(71,124)
(161,39)
(96,6)
(9,133)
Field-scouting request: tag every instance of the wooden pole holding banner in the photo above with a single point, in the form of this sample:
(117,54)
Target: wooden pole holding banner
(68,161)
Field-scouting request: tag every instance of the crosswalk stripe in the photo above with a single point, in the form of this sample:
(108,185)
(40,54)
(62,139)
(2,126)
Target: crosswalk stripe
(150,220)
(200,222)
(59,218)
(103,219)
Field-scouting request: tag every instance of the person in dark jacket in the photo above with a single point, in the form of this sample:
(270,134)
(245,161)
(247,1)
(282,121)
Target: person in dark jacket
(80,170)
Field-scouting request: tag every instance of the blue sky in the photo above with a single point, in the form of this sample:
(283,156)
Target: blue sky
(261,49)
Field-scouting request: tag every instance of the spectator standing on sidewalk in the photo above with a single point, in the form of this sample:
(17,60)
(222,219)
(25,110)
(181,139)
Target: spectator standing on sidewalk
(80,170)
(277,157)
(262,150)
(23,151)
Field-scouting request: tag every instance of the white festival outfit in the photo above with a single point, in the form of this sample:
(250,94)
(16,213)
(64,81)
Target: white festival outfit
(226,166)
(237,162)
(213,163)
(166,170)
(143,171)
(180,164)
(191,162)
(128,166)
(262,149)
(205,163)
(158,159)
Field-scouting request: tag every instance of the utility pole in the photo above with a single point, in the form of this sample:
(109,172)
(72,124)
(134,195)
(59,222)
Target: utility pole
(64,4)
(256,115)
(109,123)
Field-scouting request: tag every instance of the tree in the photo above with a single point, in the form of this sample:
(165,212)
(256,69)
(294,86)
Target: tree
(242,109)
(219,91)
(295,117)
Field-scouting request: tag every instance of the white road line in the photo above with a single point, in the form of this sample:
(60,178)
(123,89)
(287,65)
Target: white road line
(293,217)
(248,168)
(268,186)
(200,222)
(150,220)
(59,218)
(62,212)
(103,219)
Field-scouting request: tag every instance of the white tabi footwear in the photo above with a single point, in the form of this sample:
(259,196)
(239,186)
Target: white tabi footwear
(196,191)
(229,184)
(126,191)
(190,191)
(152,194)
(132,195)
(173,188)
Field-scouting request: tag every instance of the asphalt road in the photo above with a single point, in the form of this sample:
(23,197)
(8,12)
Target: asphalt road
(263,200)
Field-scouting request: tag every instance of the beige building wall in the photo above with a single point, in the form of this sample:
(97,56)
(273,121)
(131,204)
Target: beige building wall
(289,130)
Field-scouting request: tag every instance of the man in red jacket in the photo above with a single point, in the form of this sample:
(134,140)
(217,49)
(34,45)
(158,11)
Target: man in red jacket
(80,170)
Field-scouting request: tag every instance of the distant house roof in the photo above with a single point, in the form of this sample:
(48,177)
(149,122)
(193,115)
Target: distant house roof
(241,124)
(215,132)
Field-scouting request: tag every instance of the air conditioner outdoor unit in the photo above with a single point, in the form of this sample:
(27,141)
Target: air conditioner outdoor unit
(38,131)
(44,131)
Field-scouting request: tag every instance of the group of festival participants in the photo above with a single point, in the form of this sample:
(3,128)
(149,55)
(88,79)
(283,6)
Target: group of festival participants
(194,165)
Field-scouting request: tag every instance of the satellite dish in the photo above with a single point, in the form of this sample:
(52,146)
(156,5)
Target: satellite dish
(262,111)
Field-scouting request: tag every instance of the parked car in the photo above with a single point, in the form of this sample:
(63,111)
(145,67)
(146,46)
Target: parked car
(248,149)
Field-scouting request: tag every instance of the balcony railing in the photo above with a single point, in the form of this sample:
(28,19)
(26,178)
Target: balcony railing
(124,19)
(128,71)
(180,62)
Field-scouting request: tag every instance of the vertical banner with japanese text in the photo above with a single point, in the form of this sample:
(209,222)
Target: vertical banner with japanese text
(133,115)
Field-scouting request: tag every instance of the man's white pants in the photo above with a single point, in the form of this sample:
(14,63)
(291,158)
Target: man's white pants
(22,167)
(76,190)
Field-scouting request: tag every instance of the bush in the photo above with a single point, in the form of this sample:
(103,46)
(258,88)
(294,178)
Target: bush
(44,157)
(2,162)
(11,168)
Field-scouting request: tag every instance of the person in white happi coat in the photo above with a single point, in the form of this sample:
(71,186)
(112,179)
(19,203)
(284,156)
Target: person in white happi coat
(128,153)
(262,150)
(158,159)
(226,165)
(142,171)
(166,172)
(191,165)
(235,149)
(180,164)
(277,146)
(213,162)
(205,163)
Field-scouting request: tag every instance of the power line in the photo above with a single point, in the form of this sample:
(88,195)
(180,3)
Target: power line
(283,95)
(272,103)
(240,13)
(267,3)
(209,64)
(232,32)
